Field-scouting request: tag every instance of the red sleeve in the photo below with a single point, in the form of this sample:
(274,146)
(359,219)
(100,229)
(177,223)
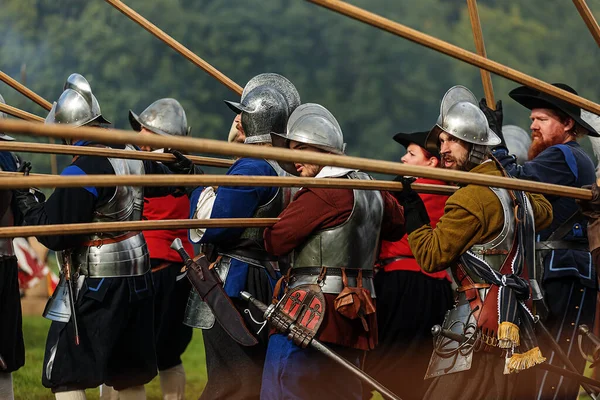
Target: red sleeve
(392,225)
(312,210)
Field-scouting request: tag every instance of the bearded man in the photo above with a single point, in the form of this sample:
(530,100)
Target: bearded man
(482,237)
(568,280)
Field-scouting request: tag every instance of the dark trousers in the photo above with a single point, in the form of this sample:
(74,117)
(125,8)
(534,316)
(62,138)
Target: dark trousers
(235,371)
(170,300)
(12,349)
(409,303)
(116,330)
(571,304)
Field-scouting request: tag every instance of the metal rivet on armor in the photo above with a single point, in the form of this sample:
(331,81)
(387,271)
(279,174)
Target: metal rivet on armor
(568,340)
(577,307)
(572,323)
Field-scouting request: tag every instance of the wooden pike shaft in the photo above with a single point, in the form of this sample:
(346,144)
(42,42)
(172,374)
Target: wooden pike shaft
(25,91)
(18,181)
(17,112)
(589,19)
(175,45)
(100,152)
(210,146)
(451,50)
(78,229)
(486,78)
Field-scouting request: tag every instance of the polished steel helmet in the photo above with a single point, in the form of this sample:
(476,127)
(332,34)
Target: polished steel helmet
(77,105)
(163,117)
(461,117)
(266,103)
(517,141)
(311,124)
(4,136)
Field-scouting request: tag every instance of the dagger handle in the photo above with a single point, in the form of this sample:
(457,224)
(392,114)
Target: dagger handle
(189,263)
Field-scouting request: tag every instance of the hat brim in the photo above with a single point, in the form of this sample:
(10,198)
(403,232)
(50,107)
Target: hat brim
(418,138)
(532,98)
(281,140)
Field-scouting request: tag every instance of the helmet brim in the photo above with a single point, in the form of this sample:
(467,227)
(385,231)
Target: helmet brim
(237,107)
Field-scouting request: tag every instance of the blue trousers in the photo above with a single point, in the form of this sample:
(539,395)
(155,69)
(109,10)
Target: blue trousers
(291,372)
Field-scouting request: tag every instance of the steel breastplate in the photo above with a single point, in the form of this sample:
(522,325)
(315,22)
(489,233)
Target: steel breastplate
(351,245)
(127,257)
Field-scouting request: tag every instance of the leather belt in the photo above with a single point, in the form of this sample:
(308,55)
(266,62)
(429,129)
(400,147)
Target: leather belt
(366,273)
(461,289)
(561,245)
(162,266)
(116,239)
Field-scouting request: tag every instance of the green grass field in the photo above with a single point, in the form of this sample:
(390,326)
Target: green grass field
(28,380)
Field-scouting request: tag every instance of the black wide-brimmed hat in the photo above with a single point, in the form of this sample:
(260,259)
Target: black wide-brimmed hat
(417,138)
(533,98)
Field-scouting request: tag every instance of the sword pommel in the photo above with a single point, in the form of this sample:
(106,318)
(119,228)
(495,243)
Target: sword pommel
(177,245)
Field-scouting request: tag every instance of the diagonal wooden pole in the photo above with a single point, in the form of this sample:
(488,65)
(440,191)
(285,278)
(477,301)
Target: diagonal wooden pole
(589,19)
(13,180)
(28,147)
(486,78)
(25,91)
(31,95)
(78,229)
(17,112)
(451,50)
(279,154)
(175,45)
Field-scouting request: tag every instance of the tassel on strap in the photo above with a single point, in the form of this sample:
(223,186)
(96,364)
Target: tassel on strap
(508,335)
(520,362)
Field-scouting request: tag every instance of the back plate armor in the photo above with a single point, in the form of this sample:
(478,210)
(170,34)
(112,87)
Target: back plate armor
(124,253)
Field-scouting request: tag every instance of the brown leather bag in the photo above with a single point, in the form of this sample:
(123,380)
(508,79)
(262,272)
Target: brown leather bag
(354,302)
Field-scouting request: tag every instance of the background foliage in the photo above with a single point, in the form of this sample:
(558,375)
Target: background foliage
(375,83)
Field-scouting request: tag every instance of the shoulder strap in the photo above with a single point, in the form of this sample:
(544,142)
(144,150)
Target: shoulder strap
(569,158)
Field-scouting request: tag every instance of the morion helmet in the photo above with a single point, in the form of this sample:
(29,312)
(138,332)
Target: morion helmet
(461,117)
(311,124)
(164,117)
(76,105)
(266,104)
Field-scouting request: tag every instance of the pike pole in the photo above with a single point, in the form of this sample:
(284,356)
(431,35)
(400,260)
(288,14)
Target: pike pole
(187,144)
(321,348)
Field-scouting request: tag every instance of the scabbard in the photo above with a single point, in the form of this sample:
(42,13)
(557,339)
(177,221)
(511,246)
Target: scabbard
(208,285)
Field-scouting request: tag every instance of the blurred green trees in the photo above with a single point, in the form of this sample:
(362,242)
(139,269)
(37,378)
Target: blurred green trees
(375,83)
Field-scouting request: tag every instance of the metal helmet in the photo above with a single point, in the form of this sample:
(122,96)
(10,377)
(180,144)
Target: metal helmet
(266,103)
(4,136)
(77,105)
(312,124)
(461,117)
(517,141)
(163,117)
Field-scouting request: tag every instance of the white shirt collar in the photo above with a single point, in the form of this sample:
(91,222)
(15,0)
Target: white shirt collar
(333,172)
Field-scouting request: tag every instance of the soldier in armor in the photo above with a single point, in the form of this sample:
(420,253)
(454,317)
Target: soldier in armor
(12,350)
(167,117)
(486,237)
(566,274)
(333,235)
(102,309)
(409,300)
(241,261)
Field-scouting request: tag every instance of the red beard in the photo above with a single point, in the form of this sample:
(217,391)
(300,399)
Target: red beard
(538,144)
